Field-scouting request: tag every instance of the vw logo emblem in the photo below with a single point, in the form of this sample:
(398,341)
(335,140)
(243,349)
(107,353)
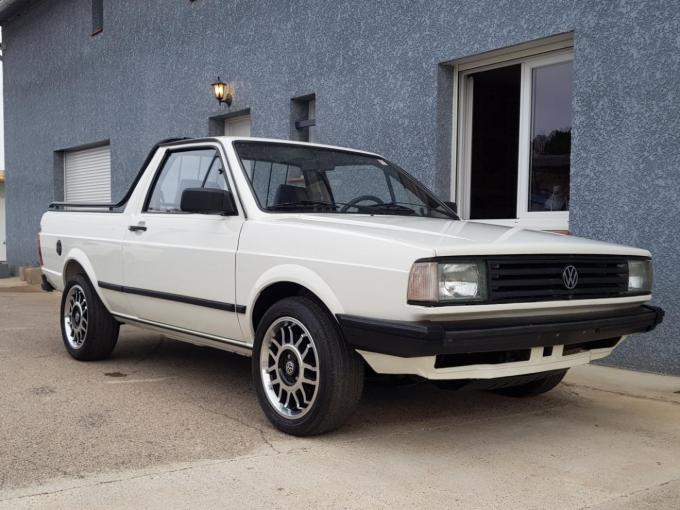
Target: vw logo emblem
(569,277)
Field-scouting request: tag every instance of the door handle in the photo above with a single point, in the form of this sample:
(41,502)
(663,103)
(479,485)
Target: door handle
(137,228)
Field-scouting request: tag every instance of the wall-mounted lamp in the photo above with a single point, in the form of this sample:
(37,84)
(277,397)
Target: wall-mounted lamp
(224,92)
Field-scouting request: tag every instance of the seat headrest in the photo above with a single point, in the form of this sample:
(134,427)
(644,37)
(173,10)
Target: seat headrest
(288,193)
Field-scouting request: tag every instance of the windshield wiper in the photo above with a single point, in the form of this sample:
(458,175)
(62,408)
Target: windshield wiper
(387,209)
(304,204)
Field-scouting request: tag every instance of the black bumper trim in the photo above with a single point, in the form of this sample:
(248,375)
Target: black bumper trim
(427,338)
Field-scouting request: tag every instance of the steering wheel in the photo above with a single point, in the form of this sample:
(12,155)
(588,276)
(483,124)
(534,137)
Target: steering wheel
(355,201)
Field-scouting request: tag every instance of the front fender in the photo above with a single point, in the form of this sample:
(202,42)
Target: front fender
(292,273)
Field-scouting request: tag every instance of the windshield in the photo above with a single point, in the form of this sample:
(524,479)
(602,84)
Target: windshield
(298,178)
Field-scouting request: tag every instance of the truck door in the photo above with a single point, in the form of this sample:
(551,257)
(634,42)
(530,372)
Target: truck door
(179,267)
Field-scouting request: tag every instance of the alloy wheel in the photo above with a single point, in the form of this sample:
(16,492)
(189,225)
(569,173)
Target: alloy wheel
(76,316)
(289,367)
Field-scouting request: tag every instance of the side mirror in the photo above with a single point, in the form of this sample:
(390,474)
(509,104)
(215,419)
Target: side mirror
(452,206)
(208,201)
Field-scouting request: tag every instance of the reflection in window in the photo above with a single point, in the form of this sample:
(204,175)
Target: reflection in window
(357,180)
(550,137)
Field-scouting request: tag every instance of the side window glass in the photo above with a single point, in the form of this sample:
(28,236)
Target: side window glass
(186,169)
(215,177)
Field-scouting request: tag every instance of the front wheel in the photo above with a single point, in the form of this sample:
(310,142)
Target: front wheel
(308,379)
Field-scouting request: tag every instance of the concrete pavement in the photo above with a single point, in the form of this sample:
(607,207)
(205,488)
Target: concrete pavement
(16,284)
(168,425)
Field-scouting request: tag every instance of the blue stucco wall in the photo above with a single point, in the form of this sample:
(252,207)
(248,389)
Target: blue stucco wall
(375,69)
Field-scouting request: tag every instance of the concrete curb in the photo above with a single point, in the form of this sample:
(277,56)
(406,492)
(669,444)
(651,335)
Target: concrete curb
(15,284)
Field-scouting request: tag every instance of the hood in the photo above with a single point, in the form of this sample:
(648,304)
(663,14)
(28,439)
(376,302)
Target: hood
(451,237)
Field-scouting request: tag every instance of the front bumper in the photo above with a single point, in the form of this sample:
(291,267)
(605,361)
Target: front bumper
(427,338)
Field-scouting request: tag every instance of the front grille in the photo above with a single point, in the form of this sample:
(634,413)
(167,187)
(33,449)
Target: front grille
(527,278)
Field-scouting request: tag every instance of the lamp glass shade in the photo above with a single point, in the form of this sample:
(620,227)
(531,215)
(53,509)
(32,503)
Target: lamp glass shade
(219,89)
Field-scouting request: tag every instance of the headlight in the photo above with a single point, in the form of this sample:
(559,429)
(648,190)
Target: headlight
(451,282)
(640,276)
(462,281)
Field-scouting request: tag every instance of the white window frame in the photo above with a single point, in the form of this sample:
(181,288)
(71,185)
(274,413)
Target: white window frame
(529,56)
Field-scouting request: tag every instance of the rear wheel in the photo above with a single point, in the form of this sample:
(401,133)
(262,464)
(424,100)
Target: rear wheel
(88,329)
(535,387)
(308,379)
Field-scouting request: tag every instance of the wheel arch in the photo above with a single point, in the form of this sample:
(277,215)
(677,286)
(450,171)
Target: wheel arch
(78,262)
(71,268)
(288,281)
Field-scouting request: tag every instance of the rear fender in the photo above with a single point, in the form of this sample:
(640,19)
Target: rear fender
(77,255)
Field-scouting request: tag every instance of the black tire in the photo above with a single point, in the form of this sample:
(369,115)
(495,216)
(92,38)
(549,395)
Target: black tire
(339,377)
(99,337)
(535,387)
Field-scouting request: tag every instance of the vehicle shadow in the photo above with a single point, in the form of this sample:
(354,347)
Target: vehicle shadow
(217,377)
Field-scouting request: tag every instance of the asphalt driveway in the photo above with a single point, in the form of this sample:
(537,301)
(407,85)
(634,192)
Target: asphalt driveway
(168,425)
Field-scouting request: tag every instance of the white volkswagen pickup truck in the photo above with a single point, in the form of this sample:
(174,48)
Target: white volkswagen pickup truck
(319,261)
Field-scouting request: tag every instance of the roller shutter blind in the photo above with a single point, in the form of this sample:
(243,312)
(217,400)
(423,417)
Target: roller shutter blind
(87,175)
